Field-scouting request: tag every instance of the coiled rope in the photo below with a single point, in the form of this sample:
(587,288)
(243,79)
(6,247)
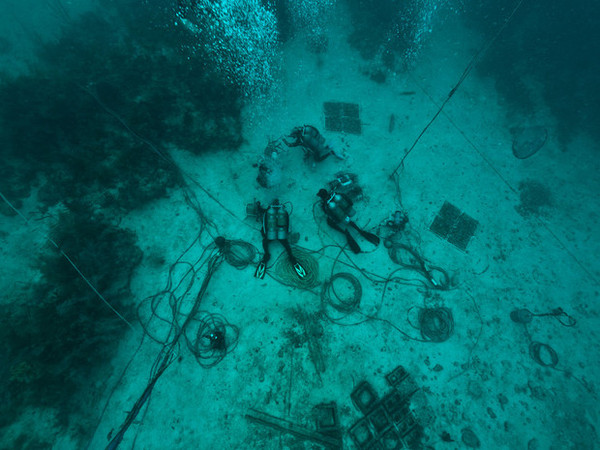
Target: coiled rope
(343,293)
(204,347)
(436,324)
(285,273)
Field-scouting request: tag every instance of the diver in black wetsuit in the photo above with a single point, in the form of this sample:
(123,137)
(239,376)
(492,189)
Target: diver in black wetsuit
(275,226)
(338,208)
(313,142)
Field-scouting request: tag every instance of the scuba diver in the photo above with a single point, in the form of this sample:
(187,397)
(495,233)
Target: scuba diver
(313,143)
(275,226)
(338,208)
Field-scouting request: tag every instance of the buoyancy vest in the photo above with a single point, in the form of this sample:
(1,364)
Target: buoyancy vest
(339,207)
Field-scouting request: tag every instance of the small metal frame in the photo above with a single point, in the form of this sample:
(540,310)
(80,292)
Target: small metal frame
(364,397)
(326,418)
(391,440)
(407,425)
(379,419)
(396,376)
(361,434)
(396,406)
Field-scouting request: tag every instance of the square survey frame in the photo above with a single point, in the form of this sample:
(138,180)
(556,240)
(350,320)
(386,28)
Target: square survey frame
(326,417)
(391,440)
(364,397)
(361,433)
(407,425)
(342,117)
(396,406)
(454,226)
(396,376)
(379,420)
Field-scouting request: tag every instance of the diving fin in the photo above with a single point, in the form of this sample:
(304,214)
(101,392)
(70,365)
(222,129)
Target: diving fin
(299,270)
(351,242)
(372,238)
(261,269)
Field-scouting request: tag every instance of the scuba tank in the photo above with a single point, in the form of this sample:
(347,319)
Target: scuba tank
(270,222)
(276,221)
(340,207)
(283,222)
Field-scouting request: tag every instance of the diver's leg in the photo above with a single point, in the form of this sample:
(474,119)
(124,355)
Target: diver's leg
(261,269)
(295,264)
(320,156)
(288,249)
(351,241)
(334,225)
(266,253)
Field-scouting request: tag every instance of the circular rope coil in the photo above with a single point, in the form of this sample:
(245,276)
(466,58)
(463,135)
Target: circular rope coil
(286,273)
(436,324)
(237,253)
(543,354)
(213,340)
(342,292)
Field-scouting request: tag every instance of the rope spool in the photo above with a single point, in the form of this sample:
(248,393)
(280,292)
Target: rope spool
(236,253)
(342,292)
(543,354)
(285,272)
(436,324)
(214,339)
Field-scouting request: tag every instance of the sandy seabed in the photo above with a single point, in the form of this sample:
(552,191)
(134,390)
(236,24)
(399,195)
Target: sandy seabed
(482,378)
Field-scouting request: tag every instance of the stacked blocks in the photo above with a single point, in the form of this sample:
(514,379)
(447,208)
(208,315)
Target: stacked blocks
(387,423)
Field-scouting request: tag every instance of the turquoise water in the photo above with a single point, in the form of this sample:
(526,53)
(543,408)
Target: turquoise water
(440,292)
